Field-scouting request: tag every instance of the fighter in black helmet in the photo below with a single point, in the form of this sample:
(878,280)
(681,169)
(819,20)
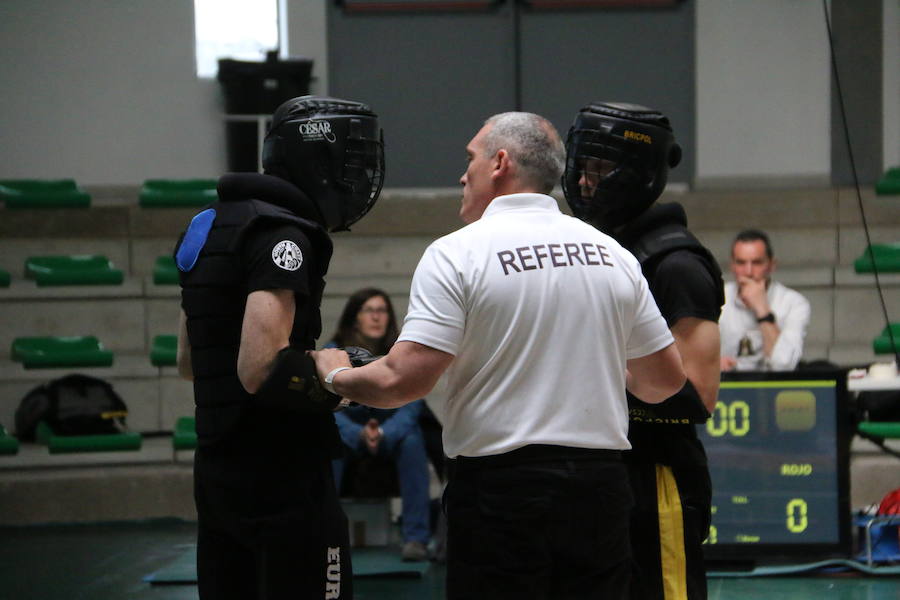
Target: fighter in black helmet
(252,269)
(617,160)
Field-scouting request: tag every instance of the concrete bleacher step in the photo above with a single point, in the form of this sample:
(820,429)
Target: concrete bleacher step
(37,487)
(817,235)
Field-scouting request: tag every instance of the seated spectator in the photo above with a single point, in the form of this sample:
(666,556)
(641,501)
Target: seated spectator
(763,323)
(368,321)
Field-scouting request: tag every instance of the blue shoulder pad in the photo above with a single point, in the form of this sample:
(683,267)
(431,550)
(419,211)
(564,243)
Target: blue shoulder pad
(194,239)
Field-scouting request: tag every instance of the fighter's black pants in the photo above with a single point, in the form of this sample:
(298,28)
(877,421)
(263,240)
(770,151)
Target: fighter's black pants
(269,532)
(540,522)
(668,526)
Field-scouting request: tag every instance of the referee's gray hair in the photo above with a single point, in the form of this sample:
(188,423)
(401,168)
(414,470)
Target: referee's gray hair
(532,143)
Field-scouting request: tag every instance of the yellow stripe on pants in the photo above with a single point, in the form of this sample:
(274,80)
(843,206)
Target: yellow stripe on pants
(671,535)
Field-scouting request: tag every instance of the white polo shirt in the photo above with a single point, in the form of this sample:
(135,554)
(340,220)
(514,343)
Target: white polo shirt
(541,312)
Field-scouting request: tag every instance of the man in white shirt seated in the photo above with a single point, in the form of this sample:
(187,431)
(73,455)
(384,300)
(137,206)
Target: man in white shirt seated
(763,322)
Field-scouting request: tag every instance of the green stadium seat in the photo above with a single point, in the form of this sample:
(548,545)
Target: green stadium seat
(177,192)
(39,193)
(882,429)
(8,444)
(882,343)
(164,350)
(184,437)
(889,183)
(58,444)
(57,352)
(165,272)
(87,269)
(887,259)
(4,278)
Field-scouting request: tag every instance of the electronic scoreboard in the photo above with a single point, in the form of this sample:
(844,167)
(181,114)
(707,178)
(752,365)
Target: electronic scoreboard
(778,446)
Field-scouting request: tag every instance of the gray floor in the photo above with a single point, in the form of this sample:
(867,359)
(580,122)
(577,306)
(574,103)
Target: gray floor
(72,562)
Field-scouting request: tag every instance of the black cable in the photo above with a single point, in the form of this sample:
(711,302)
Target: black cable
(862,212)
(878,441)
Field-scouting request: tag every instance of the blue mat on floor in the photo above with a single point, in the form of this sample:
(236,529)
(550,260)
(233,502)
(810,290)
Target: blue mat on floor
(367,562)
(824,567)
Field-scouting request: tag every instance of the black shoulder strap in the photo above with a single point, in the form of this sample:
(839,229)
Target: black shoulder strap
(664,239)
(656,244)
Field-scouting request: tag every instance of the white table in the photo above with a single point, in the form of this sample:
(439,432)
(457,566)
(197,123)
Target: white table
(870,384)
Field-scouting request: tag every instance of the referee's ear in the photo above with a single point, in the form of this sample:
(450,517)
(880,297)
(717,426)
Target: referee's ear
(501,165)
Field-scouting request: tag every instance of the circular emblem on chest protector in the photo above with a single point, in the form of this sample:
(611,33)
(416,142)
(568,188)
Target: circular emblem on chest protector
(286,255)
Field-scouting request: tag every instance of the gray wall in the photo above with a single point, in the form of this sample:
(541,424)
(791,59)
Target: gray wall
(571,58)
(891,82)
(856,33)
(307,36)
(763,95)
(434,78)
(105,91)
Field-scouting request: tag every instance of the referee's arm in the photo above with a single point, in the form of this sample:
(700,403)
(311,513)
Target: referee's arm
(655,377)
(406,373)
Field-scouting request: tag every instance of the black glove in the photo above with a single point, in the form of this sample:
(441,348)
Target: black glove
(294,383)
(360,357)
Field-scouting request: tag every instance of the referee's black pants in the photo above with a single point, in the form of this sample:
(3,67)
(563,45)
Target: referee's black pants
(540,522)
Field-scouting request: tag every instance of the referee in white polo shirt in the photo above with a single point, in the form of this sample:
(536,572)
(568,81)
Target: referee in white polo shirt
(535,417)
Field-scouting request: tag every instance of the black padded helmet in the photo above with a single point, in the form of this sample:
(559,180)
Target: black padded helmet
(618,158)
(333,150)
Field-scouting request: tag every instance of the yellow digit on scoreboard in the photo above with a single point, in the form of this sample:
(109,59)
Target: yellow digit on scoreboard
(732,418)
(739,418)
(796,515)
(717,424)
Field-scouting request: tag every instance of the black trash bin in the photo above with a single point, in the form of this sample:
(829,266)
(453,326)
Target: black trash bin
(253,90)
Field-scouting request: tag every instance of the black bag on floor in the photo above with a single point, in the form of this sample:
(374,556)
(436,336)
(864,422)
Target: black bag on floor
(72,405)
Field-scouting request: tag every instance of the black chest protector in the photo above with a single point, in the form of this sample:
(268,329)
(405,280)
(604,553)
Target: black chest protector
(661,230)
(214,294)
